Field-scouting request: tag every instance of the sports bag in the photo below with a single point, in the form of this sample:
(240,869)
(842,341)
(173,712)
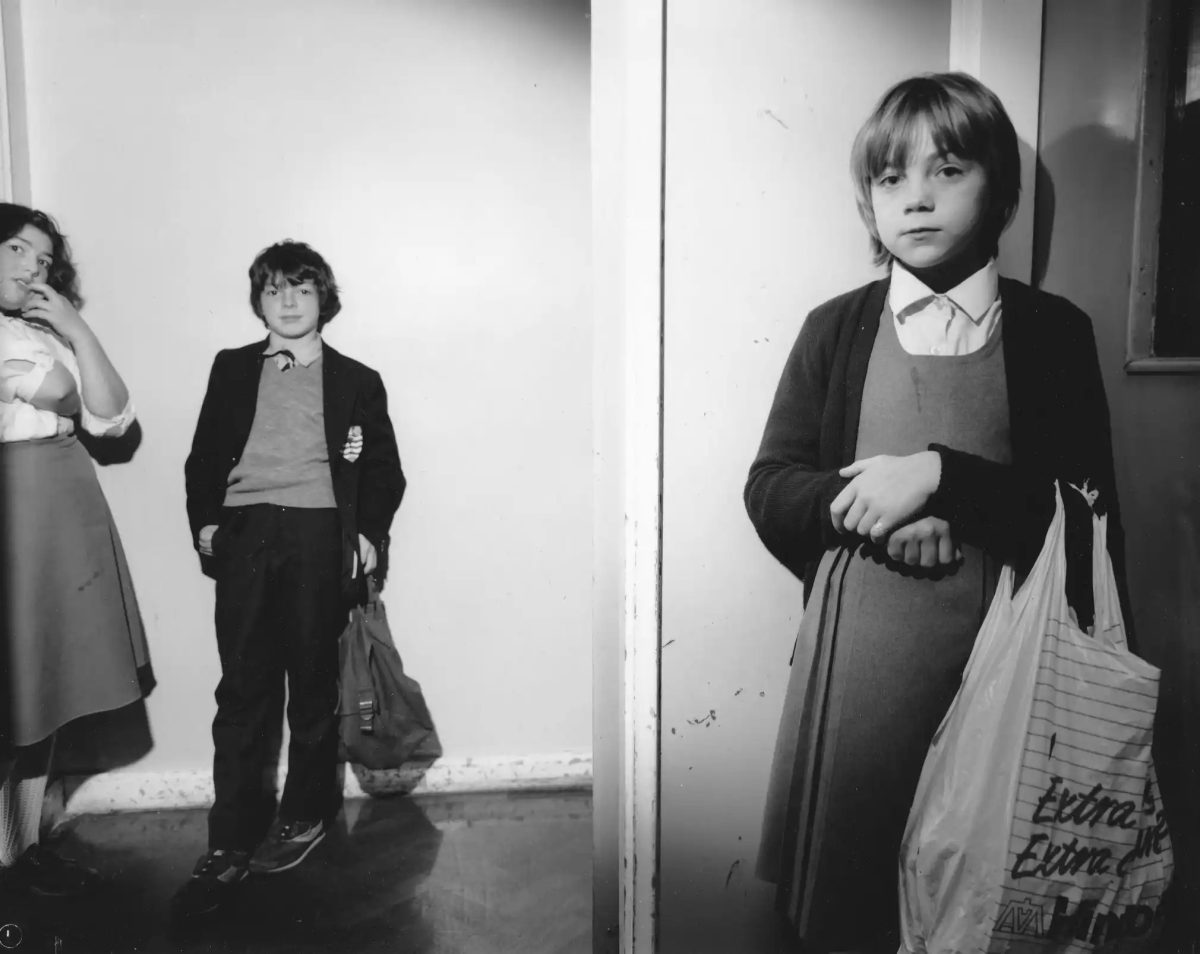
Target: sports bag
(384,722)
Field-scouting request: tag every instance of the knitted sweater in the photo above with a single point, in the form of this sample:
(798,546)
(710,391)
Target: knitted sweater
(285,461)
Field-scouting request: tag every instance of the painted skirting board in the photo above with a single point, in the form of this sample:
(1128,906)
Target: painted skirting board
(123,791)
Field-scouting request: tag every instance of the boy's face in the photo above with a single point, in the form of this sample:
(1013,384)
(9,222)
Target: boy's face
(291,311)
(931,214)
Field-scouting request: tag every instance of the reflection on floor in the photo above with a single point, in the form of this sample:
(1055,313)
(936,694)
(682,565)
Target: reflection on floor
(477,874)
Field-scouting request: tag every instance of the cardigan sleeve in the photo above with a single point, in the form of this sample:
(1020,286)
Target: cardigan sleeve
(788,494)
(1064,436)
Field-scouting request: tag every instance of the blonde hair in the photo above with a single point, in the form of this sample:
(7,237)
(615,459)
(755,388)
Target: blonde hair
(964,118)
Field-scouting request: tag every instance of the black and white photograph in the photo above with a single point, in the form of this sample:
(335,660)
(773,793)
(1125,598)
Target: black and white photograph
(571,477)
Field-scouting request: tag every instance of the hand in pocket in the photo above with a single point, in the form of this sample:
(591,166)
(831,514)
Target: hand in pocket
(204,539)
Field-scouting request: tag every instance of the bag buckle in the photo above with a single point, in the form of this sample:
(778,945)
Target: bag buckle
(366,715)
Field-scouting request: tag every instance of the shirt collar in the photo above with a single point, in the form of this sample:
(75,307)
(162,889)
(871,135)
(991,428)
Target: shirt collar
(305,353)
(973,296)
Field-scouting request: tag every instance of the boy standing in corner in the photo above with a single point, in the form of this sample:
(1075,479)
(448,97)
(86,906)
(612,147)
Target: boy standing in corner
(292,482)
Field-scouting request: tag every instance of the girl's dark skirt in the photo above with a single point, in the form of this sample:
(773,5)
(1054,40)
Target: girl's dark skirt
(72,641)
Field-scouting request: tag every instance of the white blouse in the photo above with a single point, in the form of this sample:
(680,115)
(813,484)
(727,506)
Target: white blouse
(961,321)
(27,353)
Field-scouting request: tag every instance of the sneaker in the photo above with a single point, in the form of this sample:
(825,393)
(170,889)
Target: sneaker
(212,882)
(287,844)
(44,872)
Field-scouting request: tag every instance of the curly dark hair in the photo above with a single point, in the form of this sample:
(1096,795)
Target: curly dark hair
(62,277)
(295,262)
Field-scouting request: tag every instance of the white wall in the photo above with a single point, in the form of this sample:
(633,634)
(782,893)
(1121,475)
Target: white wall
(437,154)
(762,106)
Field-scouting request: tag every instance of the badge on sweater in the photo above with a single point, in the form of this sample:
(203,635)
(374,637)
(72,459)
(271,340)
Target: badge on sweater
(353,446)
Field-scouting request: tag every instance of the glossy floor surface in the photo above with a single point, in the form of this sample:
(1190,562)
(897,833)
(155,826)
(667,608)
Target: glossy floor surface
(478,874)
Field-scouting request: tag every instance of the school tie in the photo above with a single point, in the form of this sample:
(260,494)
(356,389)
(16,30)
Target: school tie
(284,359)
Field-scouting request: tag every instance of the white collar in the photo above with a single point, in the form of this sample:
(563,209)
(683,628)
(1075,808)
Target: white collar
(973,296)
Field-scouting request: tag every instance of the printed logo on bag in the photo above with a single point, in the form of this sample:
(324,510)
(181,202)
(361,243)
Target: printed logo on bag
(1044,856)
(1021,917)
(1070,920)
(1086,923)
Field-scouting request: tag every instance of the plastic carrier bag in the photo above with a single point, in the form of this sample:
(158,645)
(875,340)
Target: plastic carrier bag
(1037,824)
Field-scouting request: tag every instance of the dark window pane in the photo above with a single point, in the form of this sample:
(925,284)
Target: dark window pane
(1177,314)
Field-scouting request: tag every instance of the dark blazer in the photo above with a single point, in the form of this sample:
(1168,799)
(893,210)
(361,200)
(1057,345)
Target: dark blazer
(1059,428)
(367,491)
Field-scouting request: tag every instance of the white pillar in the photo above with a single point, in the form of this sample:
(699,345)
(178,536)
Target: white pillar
(14,143)
(627,155)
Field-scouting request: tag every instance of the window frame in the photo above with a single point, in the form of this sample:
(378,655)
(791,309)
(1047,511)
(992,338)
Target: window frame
(1140,357)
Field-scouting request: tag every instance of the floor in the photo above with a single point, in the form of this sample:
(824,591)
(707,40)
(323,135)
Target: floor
(476,874)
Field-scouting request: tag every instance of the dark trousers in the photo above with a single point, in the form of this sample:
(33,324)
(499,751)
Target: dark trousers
(278,609)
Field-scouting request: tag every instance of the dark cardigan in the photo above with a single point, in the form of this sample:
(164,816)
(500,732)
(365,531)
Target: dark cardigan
(1059,430)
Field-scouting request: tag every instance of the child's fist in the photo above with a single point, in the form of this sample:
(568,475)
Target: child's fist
(927,542)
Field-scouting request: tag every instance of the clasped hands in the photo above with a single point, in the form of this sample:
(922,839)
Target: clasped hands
(880,503)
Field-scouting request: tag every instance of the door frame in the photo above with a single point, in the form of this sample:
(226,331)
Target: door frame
(1001,44)
(628,87)
(14,139)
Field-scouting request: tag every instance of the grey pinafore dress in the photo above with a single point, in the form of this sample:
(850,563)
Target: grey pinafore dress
(879,655)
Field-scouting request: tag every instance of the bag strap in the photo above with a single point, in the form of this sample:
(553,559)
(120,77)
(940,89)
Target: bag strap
(1046,581)
(1108,625)
(366,712)
(359,659)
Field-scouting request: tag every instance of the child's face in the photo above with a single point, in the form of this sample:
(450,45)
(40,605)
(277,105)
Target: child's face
(24,258)
(291,311)
(930,214)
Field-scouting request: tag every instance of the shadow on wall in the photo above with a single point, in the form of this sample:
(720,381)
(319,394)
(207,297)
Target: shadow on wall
(1177,749)
(1043,217)
(1094,209)
(113,450)
(1102,186)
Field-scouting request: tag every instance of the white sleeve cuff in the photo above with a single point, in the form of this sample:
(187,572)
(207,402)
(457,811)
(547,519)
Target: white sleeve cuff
(107,426)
